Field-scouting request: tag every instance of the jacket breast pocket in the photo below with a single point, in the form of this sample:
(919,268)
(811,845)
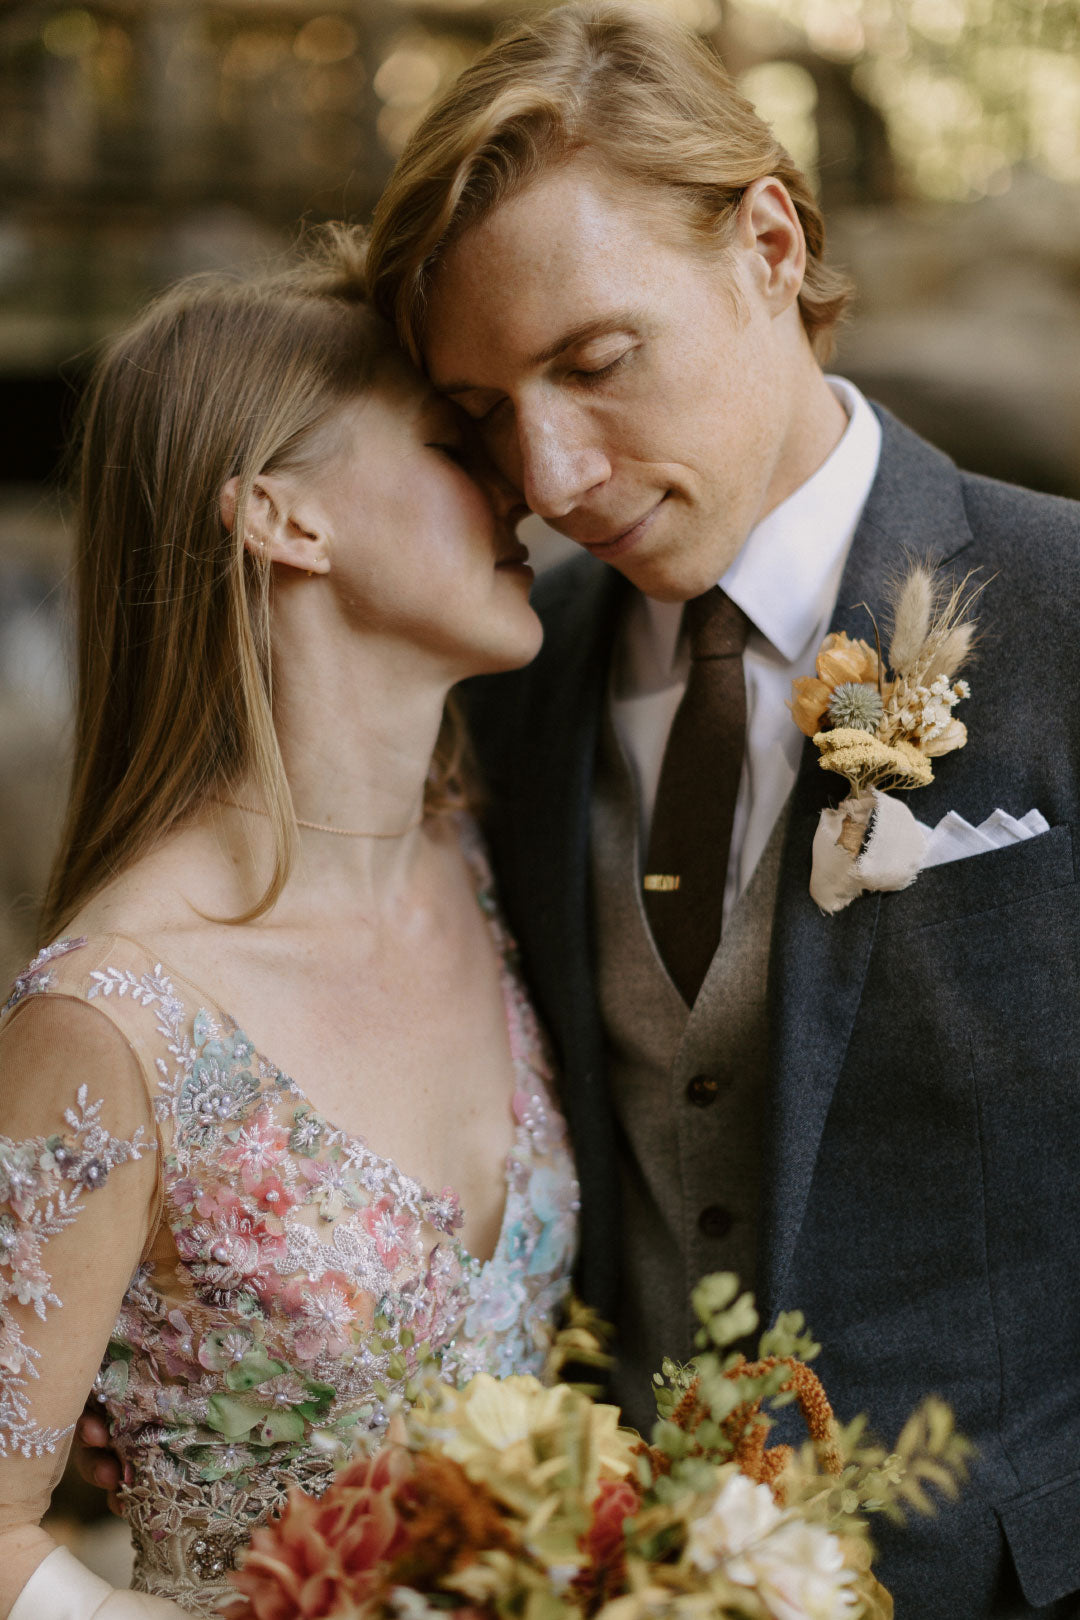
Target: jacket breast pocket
(1042,1528)
(982,883)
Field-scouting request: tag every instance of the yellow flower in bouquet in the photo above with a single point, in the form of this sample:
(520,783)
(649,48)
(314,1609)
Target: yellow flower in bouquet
(542,1452)
(499,1426)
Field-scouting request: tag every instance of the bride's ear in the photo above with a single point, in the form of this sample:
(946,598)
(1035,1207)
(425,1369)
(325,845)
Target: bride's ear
(275,526)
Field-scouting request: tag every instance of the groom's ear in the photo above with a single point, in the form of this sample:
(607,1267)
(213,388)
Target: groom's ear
(275,528)
(770,234)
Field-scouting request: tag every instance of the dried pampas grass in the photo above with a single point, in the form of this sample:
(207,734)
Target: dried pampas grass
(933,632)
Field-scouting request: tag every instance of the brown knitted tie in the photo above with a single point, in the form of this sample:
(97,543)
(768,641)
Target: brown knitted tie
(695,802)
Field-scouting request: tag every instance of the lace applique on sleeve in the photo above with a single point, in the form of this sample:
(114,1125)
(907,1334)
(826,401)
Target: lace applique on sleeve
(43,1183)
(38,977)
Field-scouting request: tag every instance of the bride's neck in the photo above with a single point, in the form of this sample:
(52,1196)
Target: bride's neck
(357,726)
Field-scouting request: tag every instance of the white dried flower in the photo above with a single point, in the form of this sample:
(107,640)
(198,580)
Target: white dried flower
(799,1573)
(953,736)
(797,1569)
(742,1514)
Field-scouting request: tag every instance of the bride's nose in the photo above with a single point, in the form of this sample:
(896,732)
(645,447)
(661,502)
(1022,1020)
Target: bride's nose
(508,502)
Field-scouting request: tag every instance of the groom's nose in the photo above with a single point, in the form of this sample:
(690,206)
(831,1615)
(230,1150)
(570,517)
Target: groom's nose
(556,461)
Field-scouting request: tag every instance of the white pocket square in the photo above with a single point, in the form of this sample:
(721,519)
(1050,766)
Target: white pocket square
(897,847)
(954,838)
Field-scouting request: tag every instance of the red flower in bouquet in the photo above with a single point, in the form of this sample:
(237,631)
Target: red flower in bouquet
(604,1543)
(325,1555)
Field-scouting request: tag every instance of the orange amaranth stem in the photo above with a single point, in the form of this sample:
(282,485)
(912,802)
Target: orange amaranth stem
(746,1428)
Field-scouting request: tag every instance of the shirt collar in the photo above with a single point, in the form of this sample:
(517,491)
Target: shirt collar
(804,542)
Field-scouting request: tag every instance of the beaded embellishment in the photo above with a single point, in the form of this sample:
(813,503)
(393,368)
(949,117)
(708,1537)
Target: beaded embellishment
(43,1182)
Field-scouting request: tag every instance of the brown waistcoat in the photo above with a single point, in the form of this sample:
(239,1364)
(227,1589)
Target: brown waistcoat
(689,1169)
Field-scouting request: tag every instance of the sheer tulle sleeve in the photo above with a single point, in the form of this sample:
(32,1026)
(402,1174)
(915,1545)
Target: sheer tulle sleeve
(78,1203)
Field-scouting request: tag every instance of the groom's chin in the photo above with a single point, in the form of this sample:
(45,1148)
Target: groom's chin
(671,575)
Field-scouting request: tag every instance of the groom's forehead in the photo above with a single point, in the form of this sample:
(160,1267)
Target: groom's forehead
(559,262)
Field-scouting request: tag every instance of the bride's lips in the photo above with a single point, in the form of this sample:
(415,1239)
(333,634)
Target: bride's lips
(620,543)
(517,559)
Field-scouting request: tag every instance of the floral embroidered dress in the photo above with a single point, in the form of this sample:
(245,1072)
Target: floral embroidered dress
(290,1278)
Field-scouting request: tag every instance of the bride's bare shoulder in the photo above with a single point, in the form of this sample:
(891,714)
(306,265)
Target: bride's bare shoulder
(178,886)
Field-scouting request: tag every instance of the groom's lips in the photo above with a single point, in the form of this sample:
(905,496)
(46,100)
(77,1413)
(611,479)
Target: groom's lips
(618,544)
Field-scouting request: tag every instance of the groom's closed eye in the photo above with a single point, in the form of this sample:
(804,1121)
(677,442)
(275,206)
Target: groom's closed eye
(593,374)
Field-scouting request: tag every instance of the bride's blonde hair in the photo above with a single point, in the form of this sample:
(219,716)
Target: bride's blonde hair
(221,377)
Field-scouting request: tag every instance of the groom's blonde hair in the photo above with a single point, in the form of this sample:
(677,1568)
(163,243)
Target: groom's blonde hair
(628,86)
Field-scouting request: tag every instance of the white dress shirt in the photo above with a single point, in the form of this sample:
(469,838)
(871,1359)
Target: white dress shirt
(785,578)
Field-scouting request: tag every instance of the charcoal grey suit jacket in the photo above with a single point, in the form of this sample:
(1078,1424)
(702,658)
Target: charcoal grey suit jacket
(922,1164)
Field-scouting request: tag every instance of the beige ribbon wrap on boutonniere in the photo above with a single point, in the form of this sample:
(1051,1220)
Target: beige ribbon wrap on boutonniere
(880,731)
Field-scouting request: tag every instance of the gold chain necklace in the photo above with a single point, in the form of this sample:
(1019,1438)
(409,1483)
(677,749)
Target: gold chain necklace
(318,826)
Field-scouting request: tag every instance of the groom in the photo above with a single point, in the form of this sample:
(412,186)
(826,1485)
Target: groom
(600,252)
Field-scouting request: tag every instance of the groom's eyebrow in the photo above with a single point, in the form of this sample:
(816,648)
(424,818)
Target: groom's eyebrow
(600,326)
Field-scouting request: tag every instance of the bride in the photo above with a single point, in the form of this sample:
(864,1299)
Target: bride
(277,1116)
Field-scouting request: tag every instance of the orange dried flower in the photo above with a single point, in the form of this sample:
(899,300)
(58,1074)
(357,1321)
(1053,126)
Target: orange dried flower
(324,1555)
(449,1519)
(747,1428)
(840,660)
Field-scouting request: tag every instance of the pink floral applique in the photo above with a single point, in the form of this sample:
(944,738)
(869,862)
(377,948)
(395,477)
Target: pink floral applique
(274,1195)
(257,1150)
(328,1310)
(393,1230)
(232,1250)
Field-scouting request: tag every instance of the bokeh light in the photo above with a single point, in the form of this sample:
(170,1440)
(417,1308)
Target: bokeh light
(71,33)
(968,89)
(416,67)
(785,95)
(326,39)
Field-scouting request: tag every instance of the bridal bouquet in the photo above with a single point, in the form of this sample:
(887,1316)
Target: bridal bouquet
(509,1498)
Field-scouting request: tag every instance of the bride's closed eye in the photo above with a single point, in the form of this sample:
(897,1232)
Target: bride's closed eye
(457,453)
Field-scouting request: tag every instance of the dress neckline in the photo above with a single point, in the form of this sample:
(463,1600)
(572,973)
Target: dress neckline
(523,1073)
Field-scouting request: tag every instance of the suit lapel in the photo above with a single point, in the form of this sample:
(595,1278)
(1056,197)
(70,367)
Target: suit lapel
(544,817)
(818,964)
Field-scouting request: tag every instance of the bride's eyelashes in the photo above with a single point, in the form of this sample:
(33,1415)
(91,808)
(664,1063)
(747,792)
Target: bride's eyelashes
(456,453)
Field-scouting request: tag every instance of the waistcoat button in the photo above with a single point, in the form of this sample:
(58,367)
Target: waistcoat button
(702,1090)
(715,1221)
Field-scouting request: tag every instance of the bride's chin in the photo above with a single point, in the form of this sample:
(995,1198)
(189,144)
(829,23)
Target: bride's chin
(513,650)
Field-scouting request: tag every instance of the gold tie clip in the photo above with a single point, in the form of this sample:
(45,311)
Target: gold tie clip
(660,882)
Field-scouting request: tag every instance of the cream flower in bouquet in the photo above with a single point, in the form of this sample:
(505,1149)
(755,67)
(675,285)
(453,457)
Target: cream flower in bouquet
(798,1568)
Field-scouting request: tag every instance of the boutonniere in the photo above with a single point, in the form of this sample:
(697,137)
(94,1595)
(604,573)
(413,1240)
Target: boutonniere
(880,727)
